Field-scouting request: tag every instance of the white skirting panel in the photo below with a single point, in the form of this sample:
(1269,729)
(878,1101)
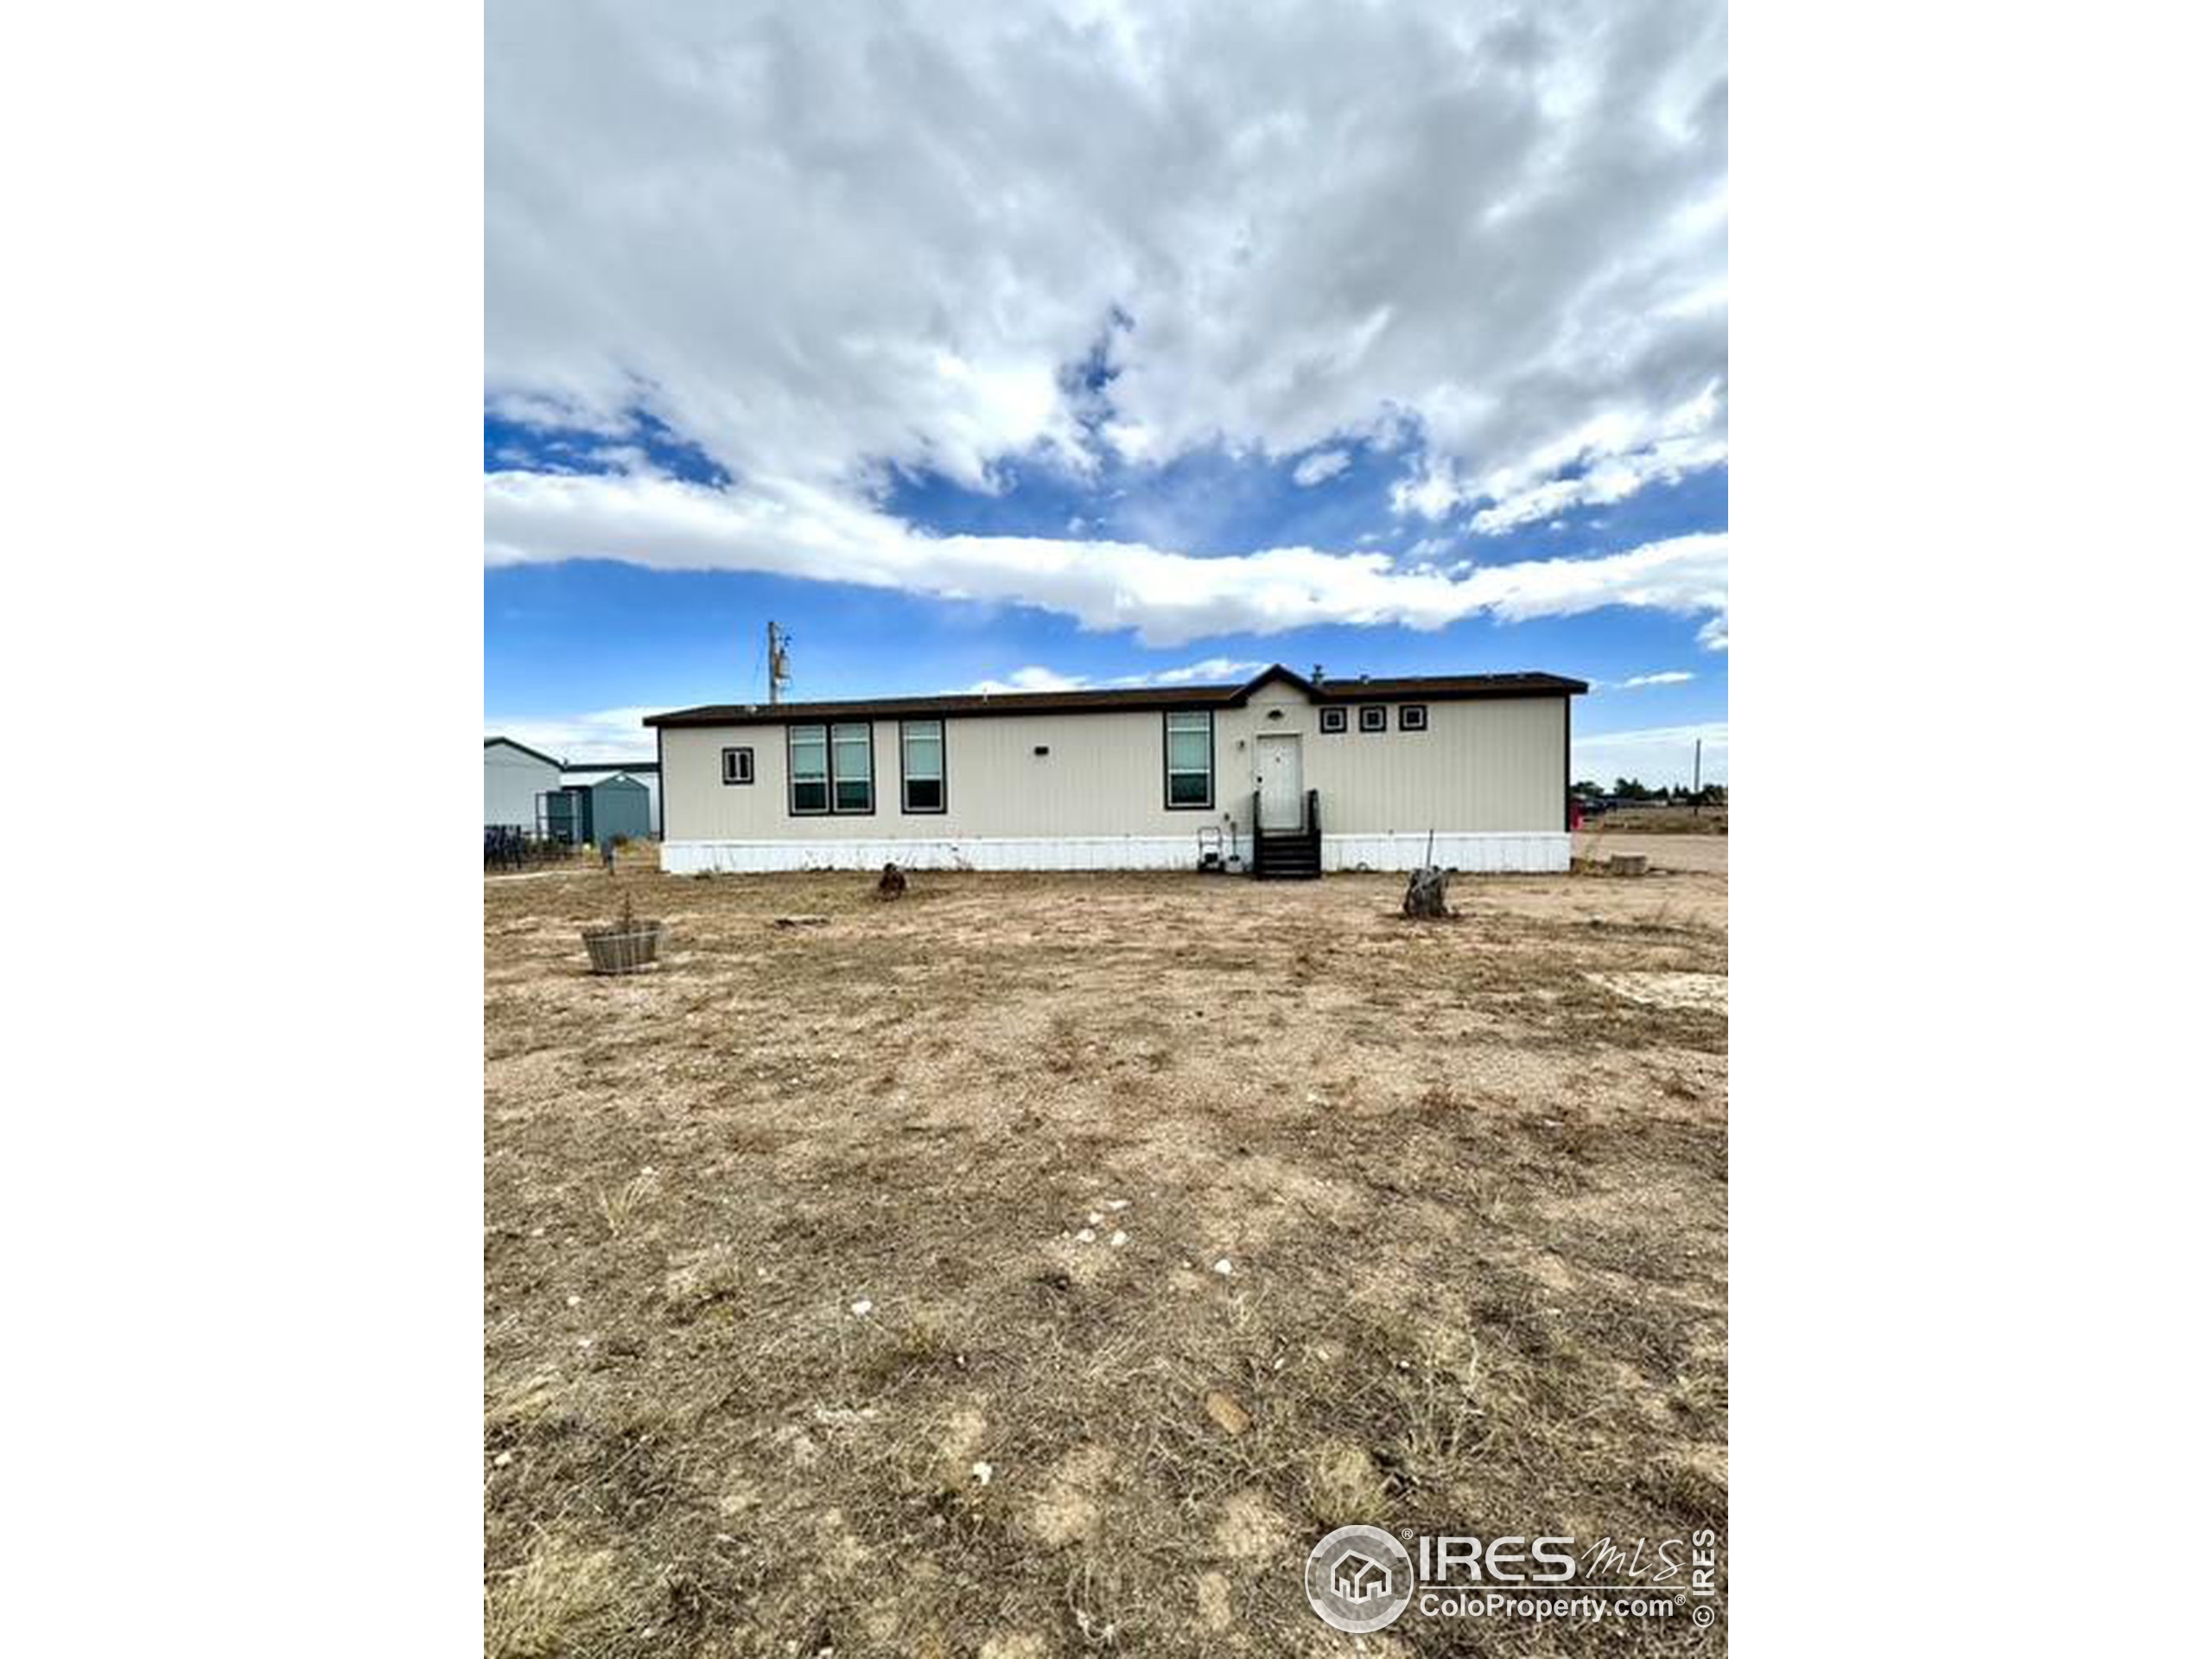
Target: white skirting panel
(976,853)
(1536,851)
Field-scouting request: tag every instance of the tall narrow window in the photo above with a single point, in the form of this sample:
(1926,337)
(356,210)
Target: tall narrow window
(921,765)
(1190,758)
(852,768)
(810,768)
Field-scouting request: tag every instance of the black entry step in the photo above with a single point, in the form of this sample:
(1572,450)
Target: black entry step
(1292,857)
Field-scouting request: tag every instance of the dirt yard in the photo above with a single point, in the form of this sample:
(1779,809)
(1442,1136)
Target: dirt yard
(1663,821)
(1039,1265)
(1675,853)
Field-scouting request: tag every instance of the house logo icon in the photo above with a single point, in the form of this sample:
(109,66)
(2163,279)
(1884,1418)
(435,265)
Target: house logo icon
(1359,1579)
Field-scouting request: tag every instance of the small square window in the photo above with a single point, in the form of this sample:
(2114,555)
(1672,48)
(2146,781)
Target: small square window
(1412,717)
(1374,717)
(737,765)
(1333,720)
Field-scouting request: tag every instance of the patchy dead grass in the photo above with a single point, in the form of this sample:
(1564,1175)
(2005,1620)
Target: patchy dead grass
(857,1286)
(1669,990)
(1664,820)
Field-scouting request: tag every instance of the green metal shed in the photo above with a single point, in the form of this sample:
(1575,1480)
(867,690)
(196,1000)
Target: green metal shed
(619,805)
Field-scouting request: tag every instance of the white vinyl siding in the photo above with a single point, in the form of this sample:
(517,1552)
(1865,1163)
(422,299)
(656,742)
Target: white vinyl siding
(1489,765)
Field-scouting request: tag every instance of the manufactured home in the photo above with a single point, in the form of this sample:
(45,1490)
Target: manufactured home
(1281,776)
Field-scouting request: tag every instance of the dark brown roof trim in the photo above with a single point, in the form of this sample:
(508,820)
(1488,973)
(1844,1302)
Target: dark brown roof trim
(1432,688)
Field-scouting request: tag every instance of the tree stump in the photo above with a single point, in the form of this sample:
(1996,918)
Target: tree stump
(892,884)
(1425,893)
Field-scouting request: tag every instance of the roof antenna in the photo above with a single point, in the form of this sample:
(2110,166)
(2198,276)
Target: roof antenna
(779,663)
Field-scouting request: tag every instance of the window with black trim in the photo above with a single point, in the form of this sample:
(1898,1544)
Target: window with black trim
(852,768)
(1333,720)
(1374,717)
(832,769)
(810,768)
(921,765)
(737,765)
(1413,716)
(1188,738)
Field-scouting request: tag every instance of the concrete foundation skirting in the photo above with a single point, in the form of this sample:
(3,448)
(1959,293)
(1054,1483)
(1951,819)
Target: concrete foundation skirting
(1535,851)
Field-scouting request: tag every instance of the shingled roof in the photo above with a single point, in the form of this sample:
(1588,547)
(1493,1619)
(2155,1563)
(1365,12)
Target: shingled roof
(1422,688)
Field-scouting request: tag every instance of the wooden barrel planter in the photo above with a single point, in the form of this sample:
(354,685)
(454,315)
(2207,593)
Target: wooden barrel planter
(623,951)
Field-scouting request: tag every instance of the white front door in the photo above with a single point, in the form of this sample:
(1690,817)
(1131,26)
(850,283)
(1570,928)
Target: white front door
(1283,792)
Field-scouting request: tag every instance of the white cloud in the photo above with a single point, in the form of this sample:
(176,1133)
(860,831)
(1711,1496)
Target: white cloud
(879,240)
(1614,479)
(1431,491)
(608,735)
(1713,636)
(1033,678)
(1319,467)
(1211,670)
(1656,755)
(1670,677)
(1167,597)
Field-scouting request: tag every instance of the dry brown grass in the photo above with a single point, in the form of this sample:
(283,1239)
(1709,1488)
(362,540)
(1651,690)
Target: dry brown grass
(1664,820)
(1473,1204)
(559,1599)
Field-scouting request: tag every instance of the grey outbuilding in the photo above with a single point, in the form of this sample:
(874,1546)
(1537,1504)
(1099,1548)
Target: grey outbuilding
(516,778)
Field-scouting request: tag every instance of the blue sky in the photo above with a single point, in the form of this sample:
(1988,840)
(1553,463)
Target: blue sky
(960,401)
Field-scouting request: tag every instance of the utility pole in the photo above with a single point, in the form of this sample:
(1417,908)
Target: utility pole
(1697,781)
(779,662)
